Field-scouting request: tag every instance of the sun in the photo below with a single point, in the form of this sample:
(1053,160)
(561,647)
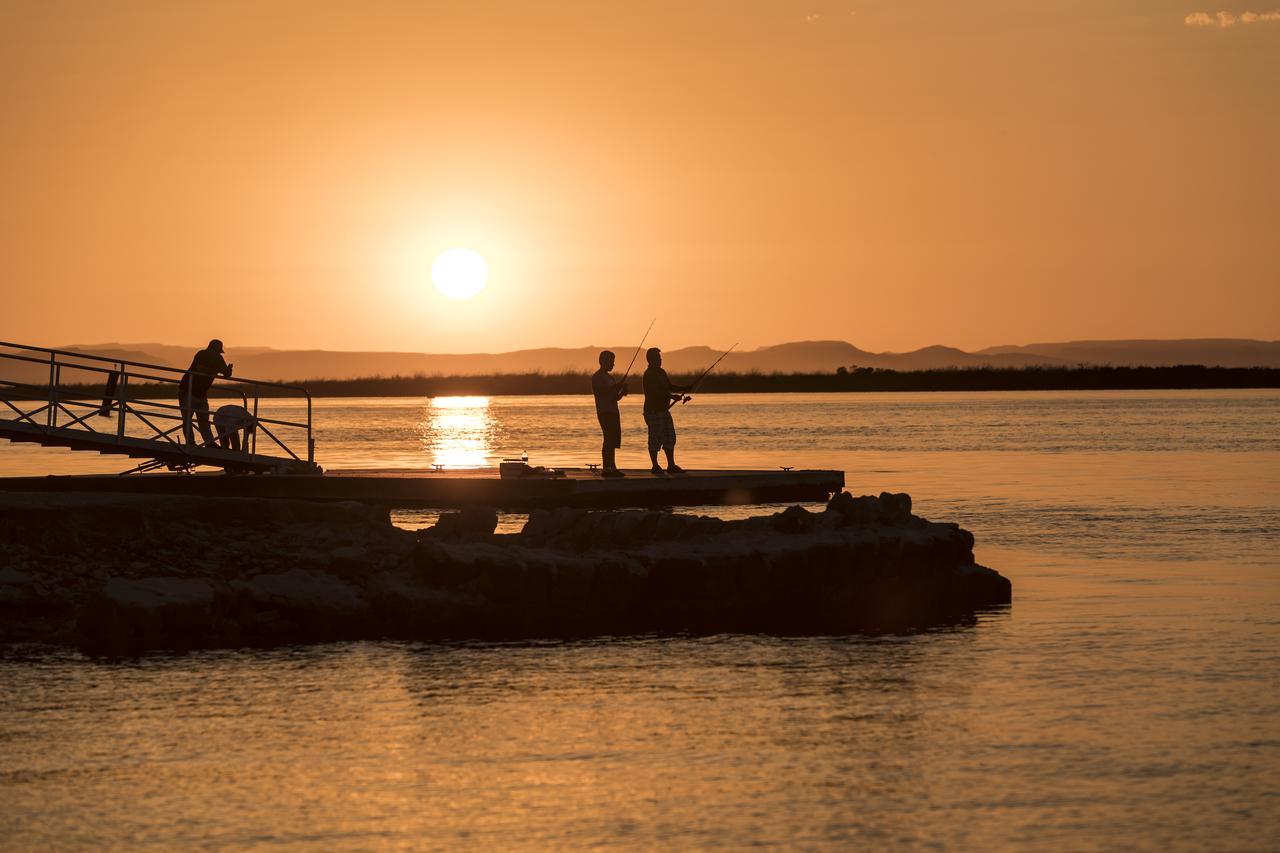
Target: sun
(459,273)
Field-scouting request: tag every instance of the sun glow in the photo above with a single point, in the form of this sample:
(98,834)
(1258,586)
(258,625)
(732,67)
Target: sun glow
(459,273)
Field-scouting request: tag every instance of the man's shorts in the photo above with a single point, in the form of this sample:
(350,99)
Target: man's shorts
(194,404)
(611,426)
(662,430)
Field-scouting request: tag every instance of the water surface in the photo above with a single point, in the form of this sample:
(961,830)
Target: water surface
(1127,699)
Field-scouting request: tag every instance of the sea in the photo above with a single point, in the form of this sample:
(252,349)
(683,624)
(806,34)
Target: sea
(1129,698)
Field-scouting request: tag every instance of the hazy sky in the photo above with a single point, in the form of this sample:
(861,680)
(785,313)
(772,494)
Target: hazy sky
(889,172)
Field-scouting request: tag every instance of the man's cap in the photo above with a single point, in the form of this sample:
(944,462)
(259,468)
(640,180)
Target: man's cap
(606,355)
(216,345)
(651,352)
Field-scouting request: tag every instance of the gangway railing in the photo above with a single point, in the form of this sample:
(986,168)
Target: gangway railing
(57,409)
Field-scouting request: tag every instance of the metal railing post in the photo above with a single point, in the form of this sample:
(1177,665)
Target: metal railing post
(53,391)
(53,410)
(311,444)
(120,398)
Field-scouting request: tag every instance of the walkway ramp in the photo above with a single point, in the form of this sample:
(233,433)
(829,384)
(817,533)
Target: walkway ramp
(136,413)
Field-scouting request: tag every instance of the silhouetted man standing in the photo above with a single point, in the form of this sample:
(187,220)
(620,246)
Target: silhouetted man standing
(193,390)
(607,393)
(659,396)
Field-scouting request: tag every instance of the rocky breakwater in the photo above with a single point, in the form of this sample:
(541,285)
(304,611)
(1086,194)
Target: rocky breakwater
(122,573)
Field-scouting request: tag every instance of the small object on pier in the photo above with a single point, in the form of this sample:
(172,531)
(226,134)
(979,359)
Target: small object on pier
(785,467)
(509,469)
(594,466)
(439,466)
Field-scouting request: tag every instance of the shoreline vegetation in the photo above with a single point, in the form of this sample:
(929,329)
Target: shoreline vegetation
(841,380)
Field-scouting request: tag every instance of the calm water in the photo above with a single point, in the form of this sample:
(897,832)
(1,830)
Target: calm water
(1130,697)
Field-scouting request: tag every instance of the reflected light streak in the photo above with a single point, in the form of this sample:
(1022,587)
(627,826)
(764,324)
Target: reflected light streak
(458,432)
(460,402)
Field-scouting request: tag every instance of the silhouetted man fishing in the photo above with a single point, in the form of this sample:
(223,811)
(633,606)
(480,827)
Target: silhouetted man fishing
(193,390)
(659,396)
(608,392)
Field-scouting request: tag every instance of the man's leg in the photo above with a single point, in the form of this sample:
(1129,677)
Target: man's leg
(655,441)
(187,432)
(609,427)
(669,447)
(202,418)
(609,454)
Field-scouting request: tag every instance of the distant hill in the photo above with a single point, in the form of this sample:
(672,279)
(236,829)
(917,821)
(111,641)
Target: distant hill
(795,357)
(1214,352)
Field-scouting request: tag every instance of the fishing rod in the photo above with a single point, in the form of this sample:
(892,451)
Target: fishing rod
(636,354)
(703,375)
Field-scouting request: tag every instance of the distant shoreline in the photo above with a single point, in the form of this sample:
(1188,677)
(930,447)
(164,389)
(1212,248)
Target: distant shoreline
(857,380)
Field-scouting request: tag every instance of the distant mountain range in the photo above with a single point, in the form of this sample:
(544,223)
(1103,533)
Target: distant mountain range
(797,357)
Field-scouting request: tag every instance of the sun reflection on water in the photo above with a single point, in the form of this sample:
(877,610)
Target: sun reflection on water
(458,432)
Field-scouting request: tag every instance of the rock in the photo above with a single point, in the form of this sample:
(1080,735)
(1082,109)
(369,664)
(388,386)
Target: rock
(146,572)
(472,524)
(544,526)
(130,613)
(628,525)
(348,561)
(669,526)
(408,608)
(21,593)
(793,519)
(304,590)
(974,587)
(895,508)
(155,593)
(855,511)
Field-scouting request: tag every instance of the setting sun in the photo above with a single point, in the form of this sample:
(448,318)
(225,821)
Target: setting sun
(459,273)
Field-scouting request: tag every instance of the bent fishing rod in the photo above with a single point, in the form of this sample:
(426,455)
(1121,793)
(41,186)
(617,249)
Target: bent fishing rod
(701,376)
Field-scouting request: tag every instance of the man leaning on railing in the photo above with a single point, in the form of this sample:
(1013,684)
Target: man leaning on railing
(193,390)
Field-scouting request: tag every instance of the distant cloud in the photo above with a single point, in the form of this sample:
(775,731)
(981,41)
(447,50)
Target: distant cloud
(1223,20)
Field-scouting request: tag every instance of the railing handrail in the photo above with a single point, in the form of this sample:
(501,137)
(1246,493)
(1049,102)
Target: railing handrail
(123,362)
(121,368)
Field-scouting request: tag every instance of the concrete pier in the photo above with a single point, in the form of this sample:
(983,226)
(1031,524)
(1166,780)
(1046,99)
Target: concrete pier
(481,487)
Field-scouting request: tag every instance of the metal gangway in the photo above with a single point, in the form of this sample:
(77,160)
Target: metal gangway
(49,398)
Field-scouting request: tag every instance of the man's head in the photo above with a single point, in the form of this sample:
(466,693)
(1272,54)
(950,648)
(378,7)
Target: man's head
(654,355)
(215,345)
(607,359)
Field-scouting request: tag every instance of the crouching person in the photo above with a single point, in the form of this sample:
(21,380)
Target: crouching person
(235,427)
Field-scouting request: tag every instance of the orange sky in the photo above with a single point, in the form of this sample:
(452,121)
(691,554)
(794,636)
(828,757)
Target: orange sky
(892,173)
